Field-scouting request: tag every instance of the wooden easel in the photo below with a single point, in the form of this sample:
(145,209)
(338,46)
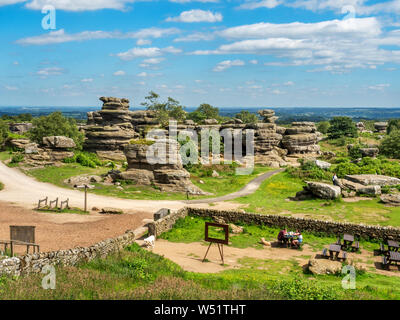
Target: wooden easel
(220,249)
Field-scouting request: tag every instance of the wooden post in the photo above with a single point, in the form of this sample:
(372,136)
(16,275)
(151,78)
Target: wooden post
(85,197)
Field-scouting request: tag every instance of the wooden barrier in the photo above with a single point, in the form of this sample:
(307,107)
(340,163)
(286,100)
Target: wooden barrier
(54,201)
(41,201)
(66,203)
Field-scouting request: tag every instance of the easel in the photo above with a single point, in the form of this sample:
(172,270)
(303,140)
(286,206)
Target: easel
(220,243)
(220,249)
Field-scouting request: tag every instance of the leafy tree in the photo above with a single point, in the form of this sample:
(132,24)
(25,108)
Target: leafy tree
(55,124)
(394,124)
(390,145)
(342,127)
(204,111)
(323,126)
(4,131)
(247,117)
(164,110)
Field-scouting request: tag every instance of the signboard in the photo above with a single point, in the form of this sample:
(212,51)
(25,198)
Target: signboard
(224,227)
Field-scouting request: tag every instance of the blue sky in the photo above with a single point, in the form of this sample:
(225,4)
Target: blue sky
(237,53)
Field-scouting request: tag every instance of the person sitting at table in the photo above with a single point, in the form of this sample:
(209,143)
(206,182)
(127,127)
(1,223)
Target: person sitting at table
(282,236)
(297,242)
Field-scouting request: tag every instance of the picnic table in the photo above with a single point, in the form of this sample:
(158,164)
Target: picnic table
(394,256)
(348,239)
(13,243)
(393,245)
(334,249)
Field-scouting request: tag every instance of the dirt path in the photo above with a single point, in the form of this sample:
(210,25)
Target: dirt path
(26,191)
(65,231)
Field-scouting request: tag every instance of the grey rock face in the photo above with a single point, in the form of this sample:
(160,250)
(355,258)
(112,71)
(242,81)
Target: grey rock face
(323,190)
(373,179)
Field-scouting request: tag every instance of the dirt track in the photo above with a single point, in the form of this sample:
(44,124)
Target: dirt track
(65,231)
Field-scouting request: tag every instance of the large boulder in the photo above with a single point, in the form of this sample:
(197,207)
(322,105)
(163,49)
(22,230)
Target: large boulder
(369,152)
(381,126)
(323,190)
(322,164)
(373,179)
(324,266)
(391,199)
(58,142)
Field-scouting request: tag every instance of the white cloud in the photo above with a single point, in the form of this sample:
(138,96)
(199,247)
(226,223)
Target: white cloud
(289,83)
(190,1)
(11,88)
(197,15)
(143,42)
(60,36)
(270,4)
(53,71)
(143,74)
(379,87)
(79,5)
(146,52)
(198,36)
(87,80)
(119,73)
(227,64)
(9,2)
(253,61)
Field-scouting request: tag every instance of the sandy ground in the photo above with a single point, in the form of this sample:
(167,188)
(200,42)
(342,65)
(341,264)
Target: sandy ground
(190,256)
(65,231)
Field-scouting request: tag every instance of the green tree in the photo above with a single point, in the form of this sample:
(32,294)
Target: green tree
(342,127)
(394,124)
(247,117)
(323,126)
(164,110)
(4,131)
(390,145)
(204,111)
(55,124)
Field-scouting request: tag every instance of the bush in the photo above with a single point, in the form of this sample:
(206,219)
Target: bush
(85,159)
(323,126)
(17,158)
(4,131)
(309,170)
(369,166)
(55,124)
(390,145)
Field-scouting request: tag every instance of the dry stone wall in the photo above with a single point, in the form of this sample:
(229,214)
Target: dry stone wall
(310,225)
(33,263)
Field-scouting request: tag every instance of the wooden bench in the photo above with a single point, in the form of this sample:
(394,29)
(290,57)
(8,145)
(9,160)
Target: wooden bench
(356,247)
(385,262)
(21,236)
(325,253)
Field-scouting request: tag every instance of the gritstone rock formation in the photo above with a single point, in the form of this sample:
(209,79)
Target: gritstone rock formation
(164,170)
(301,139)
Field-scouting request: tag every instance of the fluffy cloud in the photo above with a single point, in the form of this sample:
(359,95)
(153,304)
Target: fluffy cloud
(119,73)
(53,71)
(87,80)
(60,36)
(335,46)
(227,64)
(79,5)
(260,4)
(197,15)
(8,2)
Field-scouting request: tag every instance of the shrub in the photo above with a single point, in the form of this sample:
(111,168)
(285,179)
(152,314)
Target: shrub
(4,131)
(323,126)
(55,124)
(390,145)
(86,159)
(309,170)
(17,158)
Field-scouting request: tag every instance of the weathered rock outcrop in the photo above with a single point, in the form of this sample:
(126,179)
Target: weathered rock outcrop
(20,128)
(111,128)
(301,139)
(373,180)
(324,266)
(381,127)
(158,164)
(391,199)
(323,190)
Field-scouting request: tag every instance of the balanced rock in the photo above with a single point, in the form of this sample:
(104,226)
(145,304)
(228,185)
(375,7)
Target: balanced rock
(58,142)
(381,127)
(369,152)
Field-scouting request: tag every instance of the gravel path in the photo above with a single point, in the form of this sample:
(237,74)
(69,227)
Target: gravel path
(26,191)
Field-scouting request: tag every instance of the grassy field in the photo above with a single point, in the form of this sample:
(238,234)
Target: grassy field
(138,274)
(226,183)
(271,198)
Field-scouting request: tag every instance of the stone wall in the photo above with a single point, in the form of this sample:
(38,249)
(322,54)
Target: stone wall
(33,263)
(310,225)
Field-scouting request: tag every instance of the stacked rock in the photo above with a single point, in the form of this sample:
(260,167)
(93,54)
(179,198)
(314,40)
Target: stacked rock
(267,140)
(381,127)
(301,139)
(110,129)
(158,163)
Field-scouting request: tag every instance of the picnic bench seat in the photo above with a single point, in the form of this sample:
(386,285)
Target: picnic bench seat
(344,257)
(385,262)
(338,240)
(356,247)
(325,253)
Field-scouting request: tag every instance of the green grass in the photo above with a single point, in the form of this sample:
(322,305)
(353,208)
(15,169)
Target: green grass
(5,155)
(57,211)
(227,182)
(191,229)
(271,198)
(138,274)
